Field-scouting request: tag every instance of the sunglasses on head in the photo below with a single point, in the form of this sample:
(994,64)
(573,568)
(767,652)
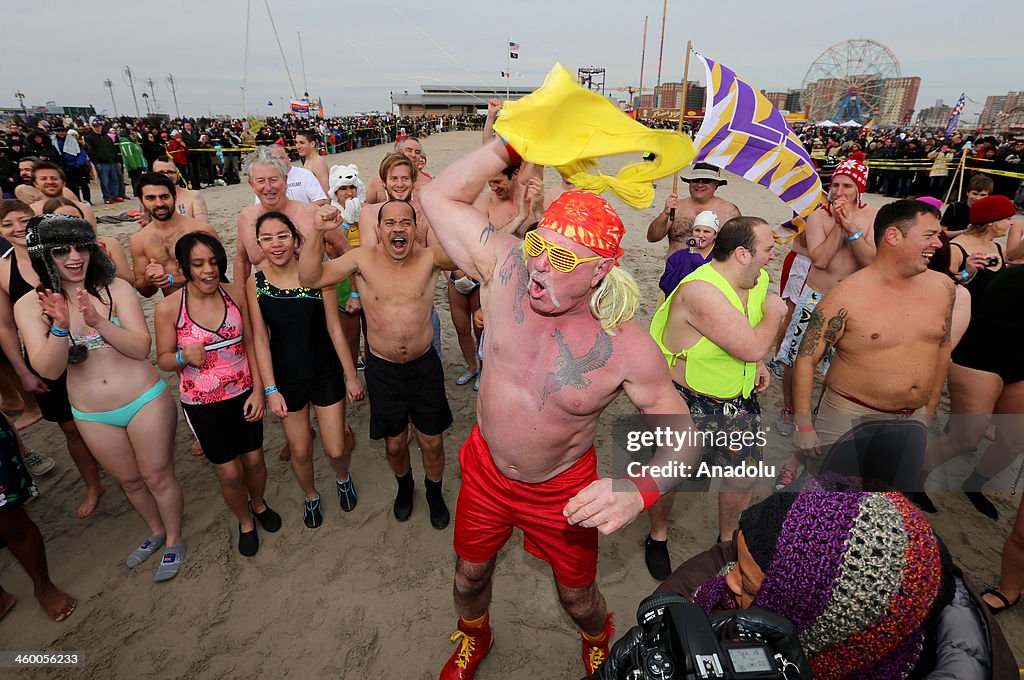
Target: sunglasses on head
(62,252)
(561,259)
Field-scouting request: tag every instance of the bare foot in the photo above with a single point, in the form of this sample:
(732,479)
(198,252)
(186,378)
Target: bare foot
(6,602)
(197,449)
(57,604)
(27,419)
(92,498)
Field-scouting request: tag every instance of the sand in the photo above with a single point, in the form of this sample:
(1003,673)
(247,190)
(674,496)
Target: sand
(362,596)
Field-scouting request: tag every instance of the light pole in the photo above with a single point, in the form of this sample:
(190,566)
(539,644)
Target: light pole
(21,98)
(174,92)
(145,98)
(129,78)
(109,84)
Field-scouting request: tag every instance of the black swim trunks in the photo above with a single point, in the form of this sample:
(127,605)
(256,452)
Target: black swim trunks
(728,427)
(413,390)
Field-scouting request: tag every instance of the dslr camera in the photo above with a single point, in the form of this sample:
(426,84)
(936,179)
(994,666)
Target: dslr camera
(694,242)
(675,640)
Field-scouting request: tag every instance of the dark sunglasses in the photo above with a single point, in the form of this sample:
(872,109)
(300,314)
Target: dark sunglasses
(62,252)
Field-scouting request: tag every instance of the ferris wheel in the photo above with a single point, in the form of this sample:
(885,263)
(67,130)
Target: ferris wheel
(850,81)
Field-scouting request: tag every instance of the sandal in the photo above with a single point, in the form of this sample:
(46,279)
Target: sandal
(466,377)
(1002,598)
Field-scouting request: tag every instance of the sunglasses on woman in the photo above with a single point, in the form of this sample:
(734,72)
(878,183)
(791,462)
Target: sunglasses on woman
(63,252)
(561,259)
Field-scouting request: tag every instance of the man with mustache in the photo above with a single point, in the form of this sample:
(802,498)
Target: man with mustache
(152,247)
(561,345)
(396,279)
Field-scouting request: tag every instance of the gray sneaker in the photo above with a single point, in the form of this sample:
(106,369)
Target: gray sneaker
(784,423)
(38,464)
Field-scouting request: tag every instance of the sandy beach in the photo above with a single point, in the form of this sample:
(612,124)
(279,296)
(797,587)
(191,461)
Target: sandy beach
(365,596)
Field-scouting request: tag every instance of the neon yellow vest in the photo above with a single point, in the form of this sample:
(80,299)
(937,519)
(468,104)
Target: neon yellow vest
(710,369)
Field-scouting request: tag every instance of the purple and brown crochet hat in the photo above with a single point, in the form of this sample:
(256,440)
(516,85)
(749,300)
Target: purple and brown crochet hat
(858,573)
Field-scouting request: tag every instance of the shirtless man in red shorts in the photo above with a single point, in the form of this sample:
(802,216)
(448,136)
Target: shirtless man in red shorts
(537,470)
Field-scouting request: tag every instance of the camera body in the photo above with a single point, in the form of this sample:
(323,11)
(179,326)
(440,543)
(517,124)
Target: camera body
(695,242)
(992,261)
(677,641)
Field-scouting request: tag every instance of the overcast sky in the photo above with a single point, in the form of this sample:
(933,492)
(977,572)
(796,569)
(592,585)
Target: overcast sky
(357,53)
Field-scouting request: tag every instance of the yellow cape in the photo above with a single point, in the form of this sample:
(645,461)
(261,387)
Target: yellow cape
(565,125)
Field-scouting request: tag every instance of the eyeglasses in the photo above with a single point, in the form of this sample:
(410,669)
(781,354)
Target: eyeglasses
(63,252)
(283,237)
(561,259)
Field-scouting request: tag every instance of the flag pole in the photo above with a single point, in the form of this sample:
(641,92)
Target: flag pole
(643,55)
(661,52)
(508,66)
(682,112)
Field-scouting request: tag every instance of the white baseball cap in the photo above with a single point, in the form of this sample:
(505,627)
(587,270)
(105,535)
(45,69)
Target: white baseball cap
(707,219)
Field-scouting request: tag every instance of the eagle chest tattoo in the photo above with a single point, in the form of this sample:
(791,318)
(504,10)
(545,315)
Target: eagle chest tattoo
(570,370)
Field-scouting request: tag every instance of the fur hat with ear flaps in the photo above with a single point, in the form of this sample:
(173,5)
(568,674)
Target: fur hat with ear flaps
(46,232)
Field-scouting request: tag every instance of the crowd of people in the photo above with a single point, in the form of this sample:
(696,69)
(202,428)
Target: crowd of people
(335,275)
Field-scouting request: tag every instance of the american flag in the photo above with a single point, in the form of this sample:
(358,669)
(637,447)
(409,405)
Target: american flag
(513,47)
(954,118)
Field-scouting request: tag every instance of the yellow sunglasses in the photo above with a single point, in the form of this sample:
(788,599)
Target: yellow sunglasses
(561,259)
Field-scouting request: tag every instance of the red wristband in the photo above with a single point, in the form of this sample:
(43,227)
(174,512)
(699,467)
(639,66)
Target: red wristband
(513,156)
(648,489)
(805,428)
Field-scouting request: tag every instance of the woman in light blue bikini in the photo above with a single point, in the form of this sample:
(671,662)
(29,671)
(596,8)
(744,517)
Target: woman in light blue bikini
(92,325)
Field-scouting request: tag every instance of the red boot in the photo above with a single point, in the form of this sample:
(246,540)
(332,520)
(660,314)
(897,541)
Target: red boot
(595,649)
(475,642)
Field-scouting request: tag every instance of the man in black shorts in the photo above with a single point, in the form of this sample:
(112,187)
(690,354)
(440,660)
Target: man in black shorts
(396,280)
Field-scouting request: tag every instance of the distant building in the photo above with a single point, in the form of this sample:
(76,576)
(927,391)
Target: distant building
(898,104)
(437,100)
(1002,112)
(671,93)
(935,116)
(778,99)
(793,100)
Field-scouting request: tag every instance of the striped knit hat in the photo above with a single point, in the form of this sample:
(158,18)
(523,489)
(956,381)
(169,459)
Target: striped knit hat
(858,573)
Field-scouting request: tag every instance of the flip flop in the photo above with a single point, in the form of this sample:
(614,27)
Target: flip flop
(1002,598)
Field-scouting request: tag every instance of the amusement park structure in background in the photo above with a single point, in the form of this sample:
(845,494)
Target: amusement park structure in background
(859,80)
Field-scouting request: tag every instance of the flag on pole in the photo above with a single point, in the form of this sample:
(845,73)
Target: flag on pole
(300,106)
(954,118)
(743,133)
(513,47)
(320,106)
(870,124)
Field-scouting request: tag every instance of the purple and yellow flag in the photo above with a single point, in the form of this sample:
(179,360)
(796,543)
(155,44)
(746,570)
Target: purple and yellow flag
(743,133)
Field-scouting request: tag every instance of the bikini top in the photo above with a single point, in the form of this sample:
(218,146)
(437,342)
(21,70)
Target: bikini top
(93,340)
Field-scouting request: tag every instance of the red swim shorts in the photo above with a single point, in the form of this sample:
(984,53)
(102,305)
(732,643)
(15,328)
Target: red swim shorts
(490,504)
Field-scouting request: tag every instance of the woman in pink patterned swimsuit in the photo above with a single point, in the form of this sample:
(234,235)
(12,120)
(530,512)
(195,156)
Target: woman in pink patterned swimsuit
(221,392)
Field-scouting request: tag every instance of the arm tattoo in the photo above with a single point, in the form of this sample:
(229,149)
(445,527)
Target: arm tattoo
(569,369)
(515,268)
(948,333)
(812,334)
(486,232)
(835,326)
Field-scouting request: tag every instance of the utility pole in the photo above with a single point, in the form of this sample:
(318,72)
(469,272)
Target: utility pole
(129,78)
(174,93)
(152,93)
(109,84)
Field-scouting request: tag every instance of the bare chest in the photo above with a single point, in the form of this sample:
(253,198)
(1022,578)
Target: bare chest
(914,320)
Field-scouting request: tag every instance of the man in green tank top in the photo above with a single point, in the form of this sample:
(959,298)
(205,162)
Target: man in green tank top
(715,330)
